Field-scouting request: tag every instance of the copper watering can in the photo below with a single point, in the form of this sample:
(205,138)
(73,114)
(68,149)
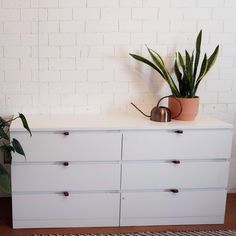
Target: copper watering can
(160,113)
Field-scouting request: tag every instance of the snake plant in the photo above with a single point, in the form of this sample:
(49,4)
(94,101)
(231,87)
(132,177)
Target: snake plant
(188,75)
(7,146)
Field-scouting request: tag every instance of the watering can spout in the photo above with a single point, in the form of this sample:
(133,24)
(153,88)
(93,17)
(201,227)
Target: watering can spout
(140,110)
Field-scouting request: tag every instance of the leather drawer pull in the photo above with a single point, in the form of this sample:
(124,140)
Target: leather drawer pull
(176,162)
(66,163)
(66,133)
(66,194)
(173,190)
(179,131)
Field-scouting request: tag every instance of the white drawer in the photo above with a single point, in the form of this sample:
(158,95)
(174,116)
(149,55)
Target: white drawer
(190,207)
(164,175)
(167,144)
(55,146)
(48,210)
(57,177)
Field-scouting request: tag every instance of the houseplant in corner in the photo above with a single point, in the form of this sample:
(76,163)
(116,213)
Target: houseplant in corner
(7,146)
(188,71)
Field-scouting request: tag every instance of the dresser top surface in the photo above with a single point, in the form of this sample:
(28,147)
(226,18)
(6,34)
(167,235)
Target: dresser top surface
(112,122)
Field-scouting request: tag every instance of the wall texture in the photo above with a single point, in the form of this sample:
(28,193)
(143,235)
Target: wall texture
(71,56)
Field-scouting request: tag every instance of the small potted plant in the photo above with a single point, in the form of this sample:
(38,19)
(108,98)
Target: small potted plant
(188,76)
(7,146)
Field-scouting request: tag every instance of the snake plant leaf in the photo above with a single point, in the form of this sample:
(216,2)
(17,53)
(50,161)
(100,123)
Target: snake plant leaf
(159,64)
(188,63)
(212,58)
(197,53)
(25,123)
(3,134)
(17,146)
(187,57)
(158,55)
(192,78)
(177,71)
(181,61)
(165,72)
(203,68)
(144,60)
(4,179)
(187,68)
(202,73)
(186,85)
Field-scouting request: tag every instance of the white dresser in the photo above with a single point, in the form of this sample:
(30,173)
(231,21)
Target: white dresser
(120,170)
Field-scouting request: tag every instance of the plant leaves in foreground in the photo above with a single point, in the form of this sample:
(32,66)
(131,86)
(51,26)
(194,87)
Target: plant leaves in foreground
(25,123)
(17,146)
(4,179)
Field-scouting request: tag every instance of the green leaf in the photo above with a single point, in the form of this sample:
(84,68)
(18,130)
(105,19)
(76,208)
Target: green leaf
(188,66)
(2,122)
(144,60)
(203,68)
(197,53)
(25,123)
(4,179)
(159,63)
(6,150)
(165,72)
(3,134)
(202,72)
(158,55)
(187,58)
(177,71)
(212,58)
(181,60)
(192,78)
(17,146)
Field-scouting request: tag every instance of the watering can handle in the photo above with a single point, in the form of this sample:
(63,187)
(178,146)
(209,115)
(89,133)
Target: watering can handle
(176,100)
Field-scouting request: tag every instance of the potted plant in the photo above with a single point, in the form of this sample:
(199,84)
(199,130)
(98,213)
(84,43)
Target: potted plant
(7,146)
(188,76)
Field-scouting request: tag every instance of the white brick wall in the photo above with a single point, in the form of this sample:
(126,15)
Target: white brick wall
(71,56)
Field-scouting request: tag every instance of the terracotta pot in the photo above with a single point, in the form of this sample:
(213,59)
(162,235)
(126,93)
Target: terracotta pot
(190,107)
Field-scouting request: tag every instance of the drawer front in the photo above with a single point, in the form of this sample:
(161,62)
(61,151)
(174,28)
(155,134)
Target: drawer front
(55,146)
(162,207)
(45,210)
(164,175)
(57,177)
(191,144)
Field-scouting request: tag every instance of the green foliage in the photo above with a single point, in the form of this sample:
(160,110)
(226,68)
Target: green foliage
(7,146)
(4,179)
(187,72)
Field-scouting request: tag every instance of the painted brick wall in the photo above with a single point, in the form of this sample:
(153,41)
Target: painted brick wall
(71,56)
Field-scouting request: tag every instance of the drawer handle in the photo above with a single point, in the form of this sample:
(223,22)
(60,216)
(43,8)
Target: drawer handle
(66,133)
(179,131)
(173,190)
(177,162)
(66,163)
(66,194)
